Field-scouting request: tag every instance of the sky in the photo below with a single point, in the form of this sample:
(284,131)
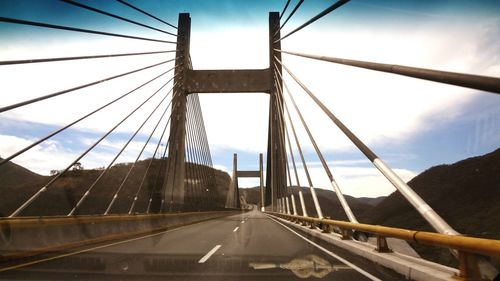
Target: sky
(410,123)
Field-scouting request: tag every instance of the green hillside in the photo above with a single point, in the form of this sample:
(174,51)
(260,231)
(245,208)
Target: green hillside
(18,184)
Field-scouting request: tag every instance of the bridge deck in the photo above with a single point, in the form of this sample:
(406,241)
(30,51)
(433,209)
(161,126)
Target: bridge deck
(247,241)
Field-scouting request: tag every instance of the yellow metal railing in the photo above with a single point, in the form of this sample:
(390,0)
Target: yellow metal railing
(468,249)
(474,245)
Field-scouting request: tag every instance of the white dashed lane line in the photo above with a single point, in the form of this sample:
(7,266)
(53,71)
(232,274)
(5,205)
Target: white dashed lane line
(209,254)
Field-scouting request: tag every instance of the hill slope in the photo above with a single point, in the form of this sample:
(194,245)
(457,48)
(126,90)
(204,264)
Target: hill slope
(330,205)
(18,184)
(466,194)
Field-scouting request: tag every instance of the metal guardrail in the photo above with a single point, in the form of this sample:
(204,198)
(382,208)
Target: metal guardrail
(473,245)
(469,249)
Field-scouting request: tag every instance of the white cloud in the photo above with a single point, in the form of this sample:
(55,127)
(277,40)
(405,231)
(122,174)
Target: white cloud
(354,181)
(41,158)
(222,168)
(50,155)
(375,106)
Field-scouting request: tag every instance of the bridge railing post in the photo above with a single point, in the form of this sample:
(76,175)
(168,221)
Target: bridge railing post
(382,245)
(468,266)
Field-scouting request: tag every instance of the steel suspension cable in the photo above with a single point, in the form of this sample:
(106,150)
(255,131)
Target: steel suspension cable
(306,170)
(301,196)
(163,160)
(115,196)
(204,132)
(411,196)
(154,187)
(187,166)
(27,61)
(478,82)
(192,161)
(293,158)
(198,156)
(197,152)
(313,192)
(83,6)
(46,186)
(284,9)
(289,16)
(26,102)
(289,186)
(104,172)
(317,17)
(289,176)
(294,208)
(187,162)
(146,13)
(336,188)
(205,144)
(281,137)
(271,158)
(136,196)
(69,28)
(3,161)
(162,177)
(304,164)
(333,182)
(176,132)
(201,152)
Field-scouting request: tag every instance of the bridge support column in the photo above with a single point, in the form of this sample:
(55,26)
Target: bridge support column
(236,192)
(276,165)
(173,186)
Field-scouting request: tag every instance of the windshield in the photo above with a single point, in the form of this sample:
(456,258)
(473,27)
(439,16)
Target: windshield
(249,140)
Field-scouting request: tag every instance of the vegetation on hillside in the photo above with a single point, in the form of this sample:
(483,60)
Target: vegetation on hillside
(466,194)
(18,184)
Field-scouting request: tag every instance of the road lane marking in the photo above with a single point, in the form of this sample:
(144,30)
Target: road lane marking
(344,261)
(236,229)
(242,221)
(209,254)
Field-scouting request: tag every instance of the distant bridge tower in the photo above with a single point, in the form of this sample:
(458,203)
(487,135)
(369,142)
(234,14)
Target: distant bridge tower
(188,81)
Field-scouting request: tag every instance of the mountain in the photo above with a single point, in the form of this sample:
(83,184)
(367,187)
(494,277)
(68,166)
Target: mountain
(12,179)
(330,205)
(18,184)
(11,174)
(466,194)
(371,201)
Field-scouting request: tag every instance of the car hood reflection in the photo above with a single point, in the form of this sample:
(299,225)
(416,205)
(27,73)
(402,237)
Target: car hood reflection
(305,267)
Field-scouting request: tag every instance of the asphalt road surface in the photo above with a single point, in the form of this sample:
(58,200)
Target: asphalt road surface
(247,246)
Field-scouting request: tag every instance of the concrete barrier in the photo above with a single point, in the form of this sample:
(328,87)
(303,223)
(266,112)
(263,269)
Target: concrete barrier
(24,237)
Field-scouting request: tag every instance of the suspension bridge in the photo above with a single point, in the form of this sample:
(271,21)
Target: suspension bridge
(172,220)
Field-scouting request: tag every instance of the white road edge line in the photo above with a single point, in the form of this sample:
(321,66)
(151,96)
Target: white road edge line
(236,229)
(346,262)
(209,254)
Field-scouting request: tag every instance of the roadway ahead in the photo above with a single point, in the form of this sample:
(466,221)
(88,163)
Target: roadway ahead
(248,246)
